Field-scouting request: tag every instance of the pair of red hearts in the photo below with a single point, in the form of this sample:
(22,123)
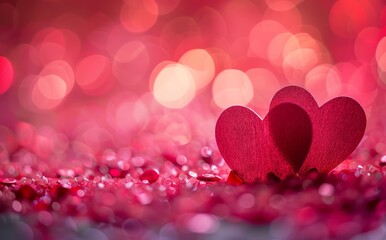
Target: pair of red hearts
(295,137)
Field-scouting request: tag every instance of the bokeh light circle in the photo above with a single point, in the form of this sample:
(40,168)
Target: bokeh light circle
(139,15)
(61,69)
(48,92)
(381,49)
(131,62)
(322,81)
(232,87)
(265,85)
(276,48)
(6,74)
(56,44)
(174,86)
(298,63)
(93,74)
(349,17)
(366,44)
(261,36)
(201,64)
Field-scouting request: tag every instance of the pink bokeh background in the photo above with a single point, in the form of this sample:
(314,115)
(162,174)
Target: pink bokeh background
(99,75)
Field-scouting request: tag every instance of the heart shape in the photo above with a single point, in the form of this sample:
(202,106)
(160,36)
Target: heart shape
(338,127)
(253,148)
(295,137)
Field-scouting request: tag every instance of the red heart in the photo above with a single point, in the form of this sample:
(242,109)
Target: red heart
(253,148)
(337,127)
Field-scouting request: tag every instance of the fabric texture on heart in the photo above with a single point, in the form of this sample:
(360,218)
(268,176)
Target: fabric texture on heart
(337,127)
(253,148)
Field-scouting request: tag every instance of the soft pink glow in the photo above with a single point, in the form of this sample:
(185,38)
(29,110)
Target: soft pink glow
(8,139)
(141,59)
(300,41)
(298,63)
(276,48)
(139,15)
(128,108)
(93,74)
(48,92)
(131,63)
(265,85)
(262,35)
(26,134)
(322,81)
(247,15)
(290,19)
(180,34)
(349,17)
(61,69)
(382,62)
(52,87)
(201,64)
(212,24)
(300,54)
(282,5)
(381,49)
(232,87)
(174,86)
(366,44)
(175,127)
(202,223)
(56,44)
(167,6)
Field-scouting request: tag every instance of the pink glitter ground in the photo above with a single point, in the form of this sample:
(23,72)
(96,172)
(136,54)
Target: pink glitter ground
(108,113)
